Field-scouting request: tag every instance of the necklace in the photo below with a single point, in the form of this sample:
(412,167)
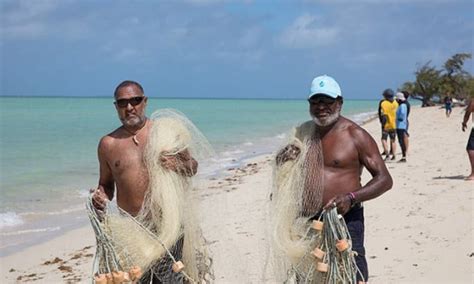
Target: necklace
(134,134)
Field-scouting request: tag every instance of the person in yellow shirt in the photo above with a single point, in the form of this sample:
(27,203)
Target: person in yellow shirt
(387,116)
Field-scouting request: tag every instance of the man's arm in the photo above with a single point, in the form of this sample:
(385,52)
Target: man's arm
(380,111)
(369,157)
(467,114)
(105,189)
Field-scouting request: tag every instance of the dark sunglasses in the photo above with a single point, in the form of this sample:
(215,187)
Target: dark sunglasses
(133,101)
(322,100)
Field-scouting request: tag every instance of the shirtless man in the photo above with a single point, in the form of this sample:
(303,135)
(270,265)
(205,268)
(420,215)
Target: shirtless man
(470,142)
(120,153)
(347,149)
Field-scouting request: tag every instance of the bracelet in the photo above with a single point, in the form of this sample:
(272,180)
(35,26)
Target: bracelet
(352,198)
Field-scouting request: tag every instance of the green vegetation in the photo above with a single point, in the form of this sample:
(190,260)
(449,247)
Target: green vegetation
(434,84)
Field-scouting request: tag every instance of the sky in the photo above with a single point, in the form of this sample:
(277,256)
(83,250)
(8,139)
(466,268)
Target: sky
(225,49)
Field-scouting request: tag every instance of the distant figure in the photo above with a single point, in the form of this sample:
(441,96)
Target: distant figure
(448,105)
(407,95)
(402,124)
(470,142)
(387,115)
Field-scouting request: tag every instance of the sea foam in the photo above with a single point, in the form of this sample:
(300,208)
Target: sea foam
(10,219)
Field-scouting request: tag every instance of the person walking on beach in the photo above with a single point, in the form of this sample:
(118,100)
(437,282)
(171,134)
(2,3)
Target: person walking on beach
(335,150)
(122,171)
(407,103)
(448,102)
(387,115)
(402,124)
(470,142)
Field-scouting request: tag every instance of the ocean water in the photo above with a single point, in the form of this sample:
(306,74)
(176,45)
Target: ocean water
(48,158)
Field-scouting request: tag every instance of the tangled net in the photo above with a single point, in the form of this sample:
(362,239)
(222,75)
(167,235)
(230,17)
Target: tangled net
(164,240)
(329,258)
(303,253)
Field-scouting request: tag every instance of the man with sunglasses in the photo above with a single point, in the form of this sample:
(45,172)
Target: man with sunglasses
(122,168)
(335,152)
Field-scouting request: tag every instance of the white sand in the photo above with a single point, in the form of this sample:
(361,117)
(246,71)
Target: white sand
(419,232)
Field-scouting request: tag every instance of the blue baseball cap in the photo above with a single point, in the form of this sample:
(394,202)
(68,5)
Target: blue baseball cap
(325,85)
(388,93)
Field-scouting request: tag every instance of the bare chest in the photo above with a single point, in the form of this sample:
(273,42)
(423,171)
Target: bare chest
(127,158)
(340,152)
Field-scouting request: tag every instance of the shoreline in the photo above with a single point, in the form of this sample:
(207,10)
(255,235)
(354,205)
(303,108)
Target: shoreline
(411,231)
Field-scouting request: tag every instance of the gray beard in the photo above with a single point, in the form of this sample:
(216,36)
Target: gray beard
(133,122)
(331,119)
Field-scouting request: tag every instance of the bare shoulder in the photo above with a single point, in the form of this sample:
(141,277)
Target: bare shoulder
(359,134)
(108,141)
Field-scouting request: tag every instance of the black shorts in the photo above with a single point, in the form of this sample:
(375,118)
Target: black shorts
(470,142)
(355,223)
(389,133)
(162,272)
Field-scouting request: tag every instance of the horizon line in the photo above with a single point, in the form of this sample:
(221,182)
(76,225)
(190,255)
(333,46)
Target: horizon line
(172,98)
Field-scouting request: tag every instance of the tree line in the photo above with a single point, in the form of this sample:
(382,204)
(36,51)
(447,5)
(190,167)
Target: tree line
(450,80)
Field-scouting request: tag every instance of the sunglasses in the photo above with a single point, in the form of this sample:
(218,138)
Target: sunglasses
(322,100)
(133,101)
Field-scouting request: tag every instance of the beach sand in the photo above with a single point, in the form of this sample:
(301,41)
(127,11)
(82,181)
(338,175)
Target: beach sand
(421,231)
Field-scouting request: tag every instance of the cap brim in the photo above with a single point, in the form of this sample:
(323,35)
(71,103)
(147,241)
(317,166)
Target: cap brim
(322,94)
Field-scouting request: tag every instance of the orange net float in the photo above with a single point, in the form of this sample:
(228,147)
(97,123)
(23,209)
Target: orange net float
(135,273)
(322,267)
(118,276)
(178,266)
(318,253)
(342,245)
(317,225)
(100,279)
(109,278)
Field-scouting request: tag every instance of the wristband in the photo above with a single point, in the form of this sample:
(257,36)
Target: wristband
(352,198)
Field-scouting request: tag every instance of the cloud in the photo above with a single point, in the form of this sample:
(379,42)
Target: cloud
(304,32)
(126,53)
(26,19)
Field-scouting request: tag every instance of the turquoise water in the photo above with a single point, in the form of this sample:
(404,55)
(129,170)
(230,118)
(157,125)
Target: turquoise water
(48,149)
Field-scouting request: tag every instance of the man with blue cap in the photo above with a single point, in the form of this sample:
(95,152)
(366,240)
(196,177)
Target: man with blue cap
(387,116)
(333,151)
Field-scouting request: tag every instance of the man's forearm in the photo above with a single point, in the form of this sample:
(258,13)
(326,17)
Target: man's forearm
(374,188)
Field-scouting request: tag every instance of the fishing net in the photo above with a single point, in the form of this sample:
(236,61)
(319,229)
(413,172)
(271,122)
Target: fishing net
(164,240)
(303,250)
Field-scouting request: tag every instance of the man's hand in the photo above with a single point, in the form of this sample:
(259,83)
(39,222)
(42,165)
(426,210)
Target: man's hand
(99,198)
(288,153)
(342,202)
(181,163)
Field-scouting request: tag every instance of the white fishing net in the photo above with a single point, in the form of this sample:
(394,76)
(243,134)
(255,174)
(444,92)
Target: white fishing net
(165,235)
